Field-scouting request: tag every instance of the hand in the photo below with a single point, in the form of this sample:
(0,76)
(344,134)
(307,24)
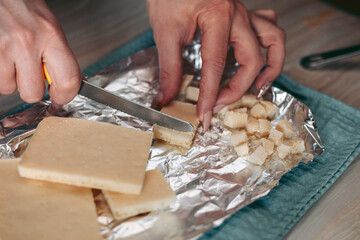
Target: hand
(222,22)
(30,35)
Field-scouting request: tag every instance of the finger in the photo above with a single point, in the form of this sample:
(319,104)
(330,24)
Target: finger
(29,77)
(63,70)
(214,45)
(170,62)
(267,14)
(7,77)
(273,38)
(247,54)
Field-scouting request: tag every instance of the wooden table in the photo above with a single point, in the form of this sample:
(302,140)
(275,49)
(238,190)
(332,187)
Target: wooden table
(95,28)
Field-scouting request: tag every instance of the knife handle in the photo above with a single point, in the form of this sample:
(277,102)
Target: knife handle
(46,74)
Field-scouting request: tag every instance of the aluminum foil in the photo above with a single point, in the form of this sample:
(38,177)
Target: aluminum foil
(210,181)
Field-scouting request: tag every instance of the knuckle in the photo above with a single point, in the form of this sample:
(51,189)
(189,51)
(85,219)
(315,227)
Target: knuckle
(280,33)
(69,85)
(23,38)
(220,8)
(165,75)
(240,7)
(8,89)
(216,63)
(31,97)
(255,64)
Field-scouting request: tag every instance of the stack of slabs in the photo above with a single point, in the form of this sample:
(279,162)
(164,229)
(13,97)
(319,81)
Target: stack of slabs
(85,154)
(39,210)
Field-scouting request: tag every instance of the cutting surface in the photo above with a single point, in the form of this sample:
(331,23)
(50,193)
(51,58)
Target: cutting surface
(31,209)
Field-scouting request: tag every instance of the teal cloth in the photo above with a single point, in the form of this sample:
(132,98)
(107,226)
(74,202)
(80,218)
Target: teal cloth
(272,216)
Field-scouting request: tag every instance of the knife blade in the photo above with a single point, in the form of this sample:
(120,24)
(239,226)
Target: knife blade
(153,116)
(107,98)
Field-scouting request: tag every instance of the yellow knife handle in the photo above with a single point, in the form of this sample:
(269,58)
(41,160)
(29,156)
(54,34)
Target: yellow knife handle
(46,74)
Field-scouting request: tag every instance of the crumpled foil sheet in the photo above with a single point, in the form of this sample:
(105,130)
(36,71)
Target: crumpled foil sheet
(211,183)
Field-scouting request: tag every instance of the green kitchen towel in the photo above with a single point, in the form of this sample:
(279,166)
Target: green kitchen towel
(272,216)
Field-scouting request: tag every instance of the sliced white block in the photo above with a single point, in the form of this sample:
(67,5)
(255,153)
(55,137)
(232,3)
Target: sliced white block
(242,149)
(297,145)
(192,94)
(249,100)
(258,111)
(235,119)
(286,127)
(264,127)
(186,80)
(271,109)
(275,136)
(258,156)
(238,137)
(252,125)
(268,145)
(283,149)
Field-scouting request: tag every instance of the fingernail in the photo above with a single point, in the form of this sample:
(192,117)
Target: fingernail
(207,120)
(156,103)
(264,89)
(217,108)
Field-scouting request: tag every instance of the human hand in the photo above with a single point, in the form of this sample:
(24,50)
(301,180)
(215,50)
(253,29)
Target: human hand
(222,22)
(30,35)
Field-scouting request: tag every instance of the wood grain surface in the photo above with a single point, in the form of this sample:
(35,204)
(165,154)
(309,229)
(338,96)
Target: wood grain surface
(95,28)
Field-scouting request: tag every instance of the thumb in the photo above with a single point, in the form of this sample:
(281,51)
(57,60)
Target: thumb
(63,70)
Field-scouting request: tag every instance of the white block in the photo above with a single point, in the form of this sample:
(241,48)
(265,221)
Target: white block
(264,127)
(235,119)
(249,100)
(258,156)
(285,127)
(297,145)
(275,136)
(192,94)
(242,149)
(283,149)
(271,109)
(258,111)
(252,125)
(268,145)
(238,137)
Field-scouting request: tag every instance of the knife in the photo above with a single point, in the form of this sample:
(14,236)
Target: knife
(107,98)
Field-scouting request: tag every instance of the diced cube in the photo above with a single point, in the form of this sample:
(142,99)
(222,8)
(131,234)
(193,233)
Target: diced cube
(214,120)
(252,125)
(258,111)
(271,109)
(242,149)
(283,149)
(258,156)
(238,137)
(192,94)
(186,80)
(275,136)
(268,145)
(264,127)
(234,105)
(235,119)
(221,114)
(285,127)
(297,145)
(249,100)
